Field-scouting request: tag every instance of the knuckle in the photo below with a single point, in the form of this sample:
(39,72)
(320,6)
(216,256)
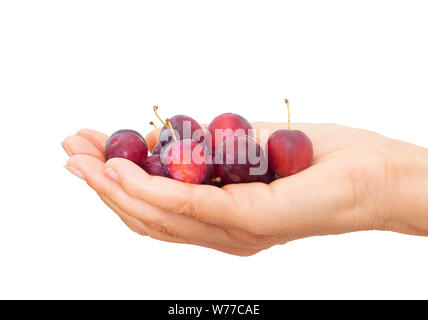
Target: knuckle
(135,228)
(83,131)
(245,253)
(186,208)
(250,240)
(163,228)
(105,190)
(131,223)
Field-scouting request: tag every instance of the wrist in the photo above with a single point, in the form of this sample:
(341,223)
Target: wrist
(407,185)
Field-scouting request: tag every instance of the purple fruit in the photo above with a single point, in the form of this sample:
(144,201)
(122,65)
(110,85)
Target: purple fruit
(157,149)
(227,125)
(128,144)
(289,151)
(185,161)
(184,127)
(267,178)
(154,167)
(240,159)
(211,177)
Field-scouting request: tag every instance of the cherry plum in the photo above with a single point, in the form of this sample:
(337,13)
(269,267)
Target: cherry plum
(128,144)
(185,160)
(226,125)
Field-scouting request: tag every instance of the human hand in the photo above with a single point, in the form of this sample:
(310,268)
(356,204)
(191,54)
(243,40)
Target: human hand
(359,180)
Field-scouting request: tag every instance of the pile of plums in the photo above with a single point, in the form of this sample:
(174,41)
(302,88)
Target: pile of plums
(225,153)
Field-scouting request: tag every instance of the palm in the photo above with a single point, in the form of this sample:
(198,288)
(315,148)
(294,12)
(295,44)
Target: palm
(243,218)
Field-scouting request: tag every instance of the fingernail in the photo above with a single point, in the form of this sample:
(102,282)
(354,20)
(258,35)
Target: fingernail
(76,172)
(67,151)
(112,174)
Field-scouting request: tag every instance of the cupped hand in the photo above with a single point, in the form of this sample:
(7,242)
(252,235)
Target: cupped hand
(351,186)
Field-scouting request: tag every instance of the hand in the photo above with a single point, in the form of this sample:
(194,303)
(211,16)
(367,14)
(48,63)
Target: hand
(359,180)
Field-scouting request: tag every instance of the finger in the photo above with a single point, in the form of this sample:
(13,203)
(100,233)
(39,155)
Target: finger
(132,223)
(171,225)
(153,138)
(138,227)
(78,145)
(200,202)
(300,205)
(253,243)
(98,139)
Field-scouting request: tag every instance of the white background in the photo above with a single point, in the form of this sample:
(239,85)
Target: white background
(65,65)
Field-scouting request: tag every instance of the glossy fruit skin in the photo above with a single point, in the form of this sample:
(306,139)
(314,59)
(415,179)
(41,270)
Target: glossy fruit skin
(227,164)
(178,123)
(289,152)
(211,174)
(267,178)
(128,144)
(225,121)
(154,167)
(157,149)
(185,161)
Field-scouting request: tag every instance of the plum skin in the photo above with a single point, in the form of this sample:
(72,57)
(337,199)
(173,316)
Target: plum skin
(178,160)
(177,123)
(236,172)
(268,177)
(225,121)
(211,176)
(154,167)
(127,144)
(157,149)
(289,152)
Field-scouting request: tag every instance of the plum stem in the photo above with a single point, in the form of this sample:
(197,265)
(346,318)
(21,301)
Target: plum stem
(153,124)
(288,109)
(214,180)
(172,130)
(155,109)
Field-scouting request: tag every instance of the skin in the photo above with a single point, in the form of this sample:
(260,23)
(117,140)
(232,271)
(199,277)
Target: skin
(359,180)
